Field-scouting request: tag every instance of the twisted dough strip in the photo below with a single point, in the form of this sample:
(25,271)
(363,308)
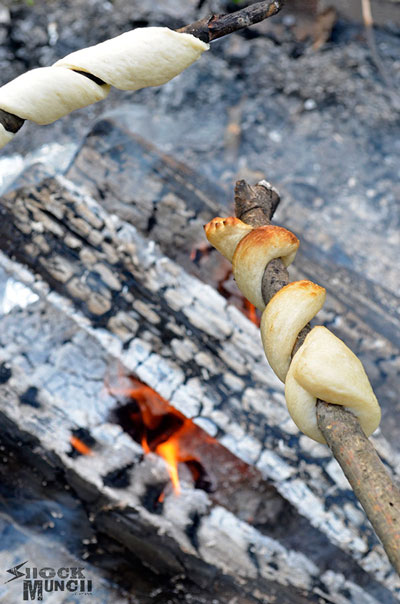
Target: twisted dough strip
(139,58)
(323,367)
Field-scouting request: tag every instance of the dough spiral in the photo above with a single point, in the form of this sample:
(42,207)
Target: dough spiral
(323,367)
(136,59)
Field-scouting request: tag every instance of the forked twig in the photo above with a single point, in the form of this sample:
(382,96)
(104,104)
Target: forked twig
(216,26)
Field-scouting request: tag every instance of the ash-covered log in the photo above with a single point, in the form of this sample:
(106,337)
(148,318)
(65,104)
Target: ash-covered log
(114,287)
(185,535)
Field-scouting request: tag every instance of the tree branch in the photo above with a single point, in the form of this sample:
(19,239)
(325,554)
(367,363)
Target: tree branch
(357,457)
(369,32)
(207,29)
(216,26)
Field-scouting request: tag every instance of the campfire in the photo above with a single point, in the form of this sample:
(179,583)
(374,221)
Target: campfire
(182,466)
(189,452)
(192,389)
(161,429)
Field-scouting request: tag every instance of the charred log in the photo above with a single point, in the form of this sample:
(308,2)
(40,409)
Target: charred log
(121,297)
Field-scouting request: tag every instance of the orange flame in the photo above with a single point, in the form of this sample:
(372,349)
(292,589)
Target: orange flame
(153,409)
(150,420)
(169,451)
(251,312)
(80,446)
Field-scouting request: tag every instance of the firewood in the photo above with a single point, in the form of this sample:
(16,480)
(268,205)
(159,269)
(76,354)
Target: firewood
(155,332)
(163,318)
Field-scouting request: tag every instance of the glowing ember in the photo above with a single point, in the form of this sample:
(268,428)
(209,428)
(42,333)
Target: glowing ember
(227,288)
(150,420)
(80,446)
(145,445)
(199,252)
(221,274)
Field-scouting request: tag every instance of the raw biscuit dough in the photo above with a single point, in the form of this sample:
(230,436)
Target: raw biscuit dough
(142,57)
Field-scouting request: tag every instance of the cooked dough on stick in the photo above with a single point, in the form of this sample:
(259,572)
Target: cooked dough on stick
(323,367)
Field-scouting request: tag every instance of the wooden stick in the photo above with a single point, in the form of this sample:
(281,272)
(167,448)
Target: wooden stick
(357,457)
(207,29)
(216,26)
(370,36)
(367,13)
(366,474)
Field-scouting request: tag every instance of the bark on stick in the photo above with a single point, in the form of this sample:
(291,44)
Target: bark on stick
(217,26)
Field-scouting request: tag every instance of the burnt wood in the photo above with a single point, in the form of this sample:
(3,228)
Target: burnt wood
(189,536)
(131,177)
(115,294)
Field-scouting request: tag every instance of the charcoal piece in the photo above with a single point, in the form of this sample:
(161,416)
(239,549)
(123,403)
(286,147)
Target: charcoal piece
(29,397)
(152,500)
(119,478)
(5,373)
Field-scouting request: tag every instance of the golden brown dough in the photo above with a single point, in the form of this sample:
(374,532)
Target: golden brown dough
(225,233)
(323,367)
(254,252)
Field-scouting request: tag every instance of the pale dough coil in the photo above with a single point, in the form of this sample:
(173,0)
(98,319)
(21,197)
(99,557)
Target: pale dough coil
(323,367)
(5,136)
(136,59)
